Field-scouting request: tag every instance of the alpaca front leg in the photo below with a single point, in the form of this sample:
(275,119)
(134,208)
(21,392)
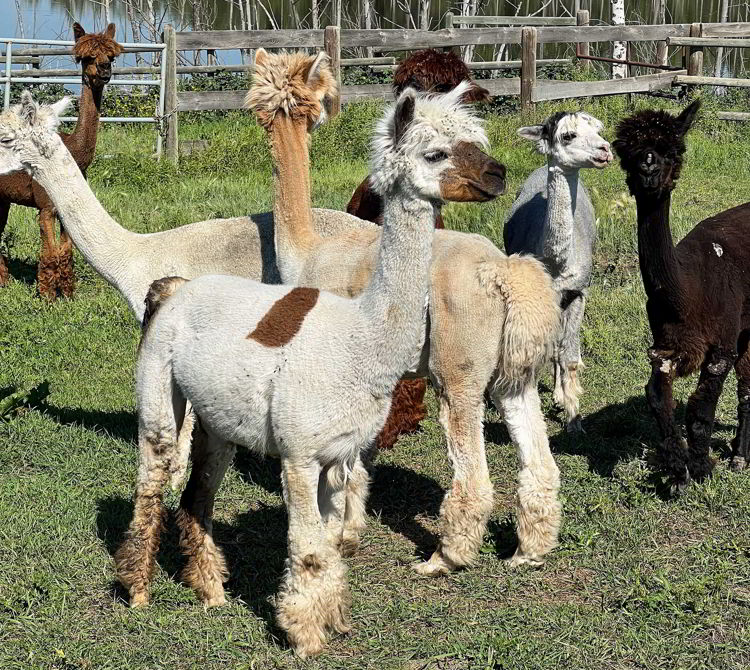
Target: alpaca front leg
(4,211)
(135,560)
(570,365)
(538,507)
(355,517)
(47,272)
(205,570)
(741,442)
(467,506)
(65,271)
(314,596)
(673,452)
(701,410)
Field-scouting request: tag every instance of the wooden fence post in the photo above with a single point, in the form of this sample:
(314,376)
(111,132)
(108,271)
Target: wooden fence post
(528,67)
(582,19)
(658,16)
(695,61)
(170,94)
(332,46)
(449,20)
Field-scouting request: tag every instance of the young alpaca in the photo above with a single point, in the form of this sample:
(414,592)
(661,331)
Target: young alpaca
(698,296)
(492,318)
(553,218)
(297,373)
(95,52)
(430,71)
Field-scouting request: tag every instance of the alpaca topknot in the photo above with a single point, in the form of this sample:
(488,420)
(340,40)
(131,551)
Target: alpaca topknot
(649,129)
(280,85)
(92,45)
(436,116)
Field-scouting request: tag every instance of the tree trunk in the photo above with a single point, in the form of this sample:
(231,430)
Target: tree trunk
(619,49)
(720,51)
(424,14)
(658,16)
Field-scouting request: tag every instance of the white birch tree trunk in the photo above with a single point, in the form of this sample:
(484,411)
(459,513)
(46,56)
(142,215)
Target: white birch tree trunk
(424,14)
(720,51)
(619,49)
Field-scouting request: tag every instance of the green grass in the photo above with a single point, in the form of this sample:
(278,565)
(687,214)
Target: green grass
(639,581)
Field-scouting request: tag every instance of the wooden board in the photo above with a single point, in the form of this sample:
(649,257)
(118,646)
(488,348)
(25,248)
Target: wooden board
(726,29)
(193,101)
(515,20)
(733,116)
(248,39)
(713,81)
(404,40)
(556,90)
(707,42)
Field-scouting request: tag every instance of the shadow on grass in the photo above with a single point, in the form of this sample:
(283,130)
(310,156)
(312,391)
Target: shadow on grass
(254,547)
(22,271)
(121,425)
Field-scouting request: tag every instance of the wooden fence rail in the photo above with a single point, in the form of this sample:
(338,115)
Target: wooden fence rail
(531,90)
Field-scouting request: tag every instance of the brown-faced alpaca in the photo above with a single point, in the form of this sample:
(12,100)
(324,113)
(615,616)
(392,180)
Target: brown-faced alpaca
(436,72)
(698,295)
(95,52)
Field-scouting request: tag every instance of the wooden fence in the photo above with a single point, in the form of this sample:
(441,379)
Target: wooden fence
(527,86)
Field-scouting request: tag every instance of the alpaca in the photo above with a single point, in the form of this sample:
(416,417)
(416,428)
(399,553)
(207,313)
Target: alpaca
(95,52)
(553,218)
(436,72)
(430,71)
(698,296)
(297,373)
(491,317)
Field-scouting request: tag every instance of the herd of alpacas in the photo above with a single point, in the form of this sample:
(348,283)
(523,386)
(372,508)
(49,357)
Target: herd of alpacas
(289,332)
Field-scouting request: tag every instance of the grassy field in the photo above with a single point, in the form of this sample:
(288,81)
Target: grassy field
(639,580)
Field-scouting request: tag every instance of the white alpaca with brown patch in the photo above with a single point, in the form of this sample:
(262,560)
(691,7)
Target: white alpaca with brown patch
(493,318)
(296,373)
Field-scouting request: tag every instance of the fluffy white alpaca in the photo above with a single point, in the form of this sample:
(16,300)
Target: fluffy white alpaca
(297,373)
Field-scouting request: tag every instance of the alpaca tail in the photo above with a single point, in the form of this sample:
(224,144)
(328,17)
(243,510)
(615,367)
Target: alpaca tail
(532,315)
(158,292)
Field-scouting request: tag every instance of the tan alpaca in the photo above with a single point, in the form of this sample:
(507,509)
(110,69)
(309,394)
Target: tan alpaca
(492,318)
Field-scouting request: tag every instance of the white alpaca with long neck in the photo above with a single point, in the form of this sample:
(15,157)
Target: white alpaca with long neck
(296,373)
(553,218)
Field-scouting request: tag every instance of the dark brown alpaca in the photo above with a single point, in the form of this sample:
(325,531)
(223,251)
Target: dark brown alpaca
(95,52)
(436,72)
(698,296)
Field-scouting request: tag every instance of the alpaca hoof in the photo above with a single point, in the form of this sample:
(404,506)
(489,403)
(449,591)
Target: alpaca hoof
(217,599)
(737,464)
(518,559)
(139,599)
(679,484)
(437,566)
(701,470)
(349,543)
(575,425)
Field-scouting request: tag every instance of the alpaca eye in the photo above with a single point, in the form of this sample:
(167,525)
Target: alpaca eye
(567,137)
(435,156)
(6,140)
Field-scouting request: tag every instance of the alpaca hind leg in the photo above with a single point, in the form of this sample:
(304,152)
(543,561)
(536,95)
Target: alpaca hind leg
(673,453)
(701,410)
(355,516)
(406,413)
(467,506)
(314,596)
(66,273)
(4,212)
(47,271)
(741,442)
(205,570)
(538,507)
(342,504)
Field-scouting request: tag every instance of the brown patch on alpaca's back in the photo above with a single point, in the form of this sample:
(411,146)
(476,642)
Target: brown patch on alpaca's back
(283,321)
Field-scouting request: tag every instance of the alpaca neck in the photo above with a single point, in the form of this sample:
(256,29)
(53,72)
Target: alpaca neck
(562,194)
(394,301)
(656,253)
(103,242)
(294,235)
(82,141)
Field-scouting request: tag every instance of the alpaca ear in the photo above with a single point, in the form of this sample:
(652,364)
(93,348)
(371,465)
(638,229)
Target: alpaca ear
(58,109)
(687,117)
(111,30)
(313,74)
(261,57)
(28,108)
(78,31)
(403,115)
(533,133)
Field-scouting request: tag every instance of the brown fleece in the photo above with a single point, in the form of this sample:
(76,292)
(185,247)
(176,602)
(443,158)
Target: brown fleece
(283,321)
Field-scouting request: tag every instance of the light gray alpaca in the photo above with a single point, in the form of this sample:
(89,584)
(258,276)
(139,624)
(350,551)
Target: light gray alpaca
(297,373)
(553,218)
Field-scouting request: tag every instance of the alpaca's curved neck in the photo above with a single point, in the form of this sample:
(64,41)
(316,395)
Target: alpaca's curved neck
(656,252)
(82,141)
(394,302)
(103,242)
(562,194)
(294,235)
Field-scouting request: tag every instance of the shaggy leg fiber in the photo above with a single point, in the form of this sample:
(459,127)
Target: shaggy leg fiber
(407,411)
(65,272)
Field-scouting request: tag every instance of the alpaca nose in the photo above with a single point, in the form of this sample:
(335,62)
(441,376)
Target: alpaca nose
(494,176)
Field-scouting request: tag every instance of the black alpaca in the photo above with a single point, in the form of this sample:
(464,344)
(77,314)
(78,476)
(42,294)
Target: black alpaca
(698,296)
